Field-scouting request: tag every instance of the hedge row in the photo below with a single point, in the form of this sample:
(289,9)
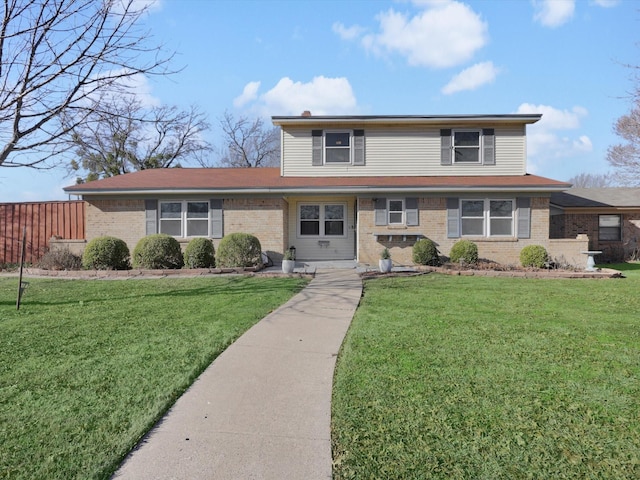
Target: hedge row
(161,251)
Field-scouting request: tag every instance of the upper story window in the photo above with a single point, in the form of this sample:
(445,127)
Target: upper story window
(609,227)
(466,146)
(337,147)
(184,219)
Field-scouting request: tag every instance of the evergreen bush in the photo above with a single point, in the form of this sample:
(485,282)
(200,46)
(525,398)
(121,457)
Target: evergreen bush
(106,253)
(464,250)
(199,254)
(239,250)
(425,252)
(158,251)
(533,256)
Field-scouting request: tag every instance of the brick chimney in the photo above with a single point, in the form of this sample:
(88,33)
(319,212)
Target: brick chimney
(306,113)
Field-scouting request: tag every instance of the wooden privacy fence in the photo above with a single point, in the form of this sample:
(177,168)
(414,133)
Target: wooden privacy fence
(43,220)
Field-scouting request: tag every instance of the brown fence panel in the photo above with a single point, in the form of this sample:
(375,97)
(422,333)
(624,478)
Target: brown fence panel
(43,220)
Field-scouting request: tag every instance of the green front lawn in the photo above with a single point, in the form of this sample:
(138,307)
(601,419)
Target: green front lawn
(490,378)
(87,367)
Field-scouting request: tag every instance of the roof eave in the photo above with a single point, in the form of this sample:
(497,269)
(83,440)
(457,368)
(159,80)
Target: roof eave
(326,190)
(407,119)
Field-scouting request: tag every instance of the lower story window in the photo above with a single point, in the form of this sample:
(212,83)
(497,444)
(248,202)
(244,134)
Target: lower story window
(484,217)
(322,220)
(184,219)
(609,227)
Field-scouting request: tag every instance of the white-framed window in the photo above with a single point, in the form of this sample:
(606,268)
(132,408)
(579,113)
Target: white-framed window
(466,146)
(337,146)
(610,228)
(322,220)
(182,218)
(487,217)
(395,211)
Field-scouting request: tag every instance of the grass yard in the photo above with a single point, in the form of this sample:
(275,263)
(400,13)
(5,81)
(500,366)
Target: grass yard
(87,367)
(490,378)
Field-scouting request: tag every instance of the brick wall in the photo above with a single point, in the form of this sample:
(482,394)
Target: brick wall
(572,224)
(433,222)
(125,219)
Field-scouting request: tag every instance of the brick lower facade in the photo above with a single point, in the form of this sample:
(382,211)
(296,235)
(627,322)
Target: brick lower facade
(268,218)
(432,224)
(265,218)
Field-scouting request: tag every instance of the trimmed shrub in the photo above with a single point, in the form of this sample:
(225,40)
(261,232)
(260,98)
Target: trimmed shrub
(239,250)
(158,251)
(425,252)
(60,260)
(199,254)
(533,256)
(106,253)
(464,250)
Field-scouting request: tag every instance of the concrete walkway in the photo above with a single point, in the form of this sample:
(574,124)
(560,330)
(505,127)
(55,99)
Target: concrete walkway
(262,410)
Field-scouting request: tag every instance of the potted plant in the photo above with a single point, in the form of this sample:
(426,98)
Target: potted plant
(385,263)
(288,261)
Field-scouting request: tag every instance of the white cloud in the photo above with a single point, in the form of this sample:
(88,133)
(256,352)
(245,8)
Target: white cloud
(322,96)
(605,3)
(445,34)
(553,13)
(249,93)
(546,140)
(347,33)
(472,78)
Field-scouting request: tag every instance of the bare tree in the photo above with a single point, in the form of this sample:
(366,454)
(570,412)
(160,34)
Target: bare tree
(625,157)
(123,136)
(248,143)
(591,180)
(55,55)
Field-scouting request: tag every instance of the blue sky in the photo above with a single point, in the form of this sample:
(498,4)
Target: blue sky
(562,58)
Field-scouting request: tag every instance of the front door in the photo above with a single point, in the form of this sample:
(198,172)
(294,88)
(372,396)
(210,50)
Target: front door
(323,228)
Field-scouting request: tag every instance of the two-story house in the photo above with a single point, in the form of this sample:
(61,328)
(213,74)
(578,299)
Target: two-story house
(347,187)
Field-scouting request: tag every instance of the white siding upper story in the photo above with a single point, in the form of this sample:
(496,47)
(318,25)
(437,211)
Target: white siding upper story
(406,150)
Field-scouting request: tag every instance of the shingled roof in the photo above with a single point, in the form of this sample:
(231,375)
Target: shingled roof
(612,197)
(269,180)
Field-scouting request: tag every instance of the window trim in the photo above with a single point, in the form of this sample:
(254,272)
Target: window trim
(486,217)
(184,218)
(322,220)
(403,212)
(325,147)
(619,227)
(479,147)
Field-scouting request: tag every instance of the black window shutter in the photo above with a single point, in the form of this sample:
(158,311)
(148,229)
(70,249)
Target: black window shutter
(316,147)
(411,211)
(380,205)
(453,217)
(489,146)
(523,205)
(215,210)
(445,146)
(151,216)
(358,147)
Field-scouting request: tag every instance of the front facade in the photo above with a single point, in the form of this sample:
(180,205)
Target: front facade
(348,187)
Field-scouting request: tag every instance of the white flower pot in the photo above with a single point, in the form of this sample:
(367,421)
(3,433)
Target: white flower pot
(385,265)
(288,266)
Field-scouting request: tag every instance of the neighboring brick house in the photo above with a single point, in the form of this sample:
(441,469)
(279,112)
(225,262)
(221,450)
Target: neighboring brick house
(610,217)
(347,187)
